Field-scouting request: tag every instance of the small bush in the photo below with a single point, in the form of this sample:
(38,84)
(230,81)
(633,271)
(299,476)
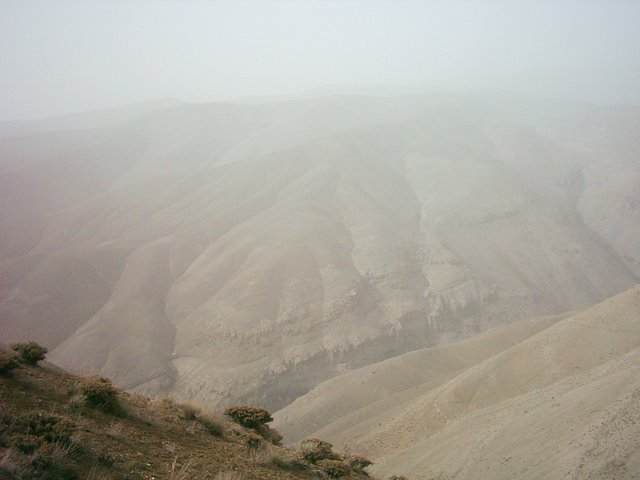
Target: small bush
(100,392)
(254,441)
(47,427)
(334,468)
(398,477)
(314,450)
(30,352)
(7,363)
(250,417)
(357,463)
(211,423)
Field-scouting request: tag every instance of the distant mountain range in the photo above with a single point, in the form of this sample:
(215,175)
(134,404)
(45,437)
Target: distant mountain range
(232,252)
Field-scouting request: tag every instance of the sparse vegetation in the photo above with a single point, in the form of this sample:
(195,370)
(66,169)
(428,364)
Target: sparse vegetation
(40,446)
(398,477)
(271,435)
(260,456)
(334,468)
(30,353)
(229,476)
(49,430)
(314,450)
(7,363)
(189,410)
(211,423)
(116,429)
(76,403)
(100,392)
(179,472)
(12,464)
(357,462)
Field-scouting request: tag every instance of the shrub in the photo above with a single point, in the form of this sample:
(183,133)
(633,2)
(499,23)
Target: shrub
(357,463)
(30,352)
(398,477)
(7,363)
(47,427)
(314,449)
(250,417)
(100,392)
(334,468)
(254,441)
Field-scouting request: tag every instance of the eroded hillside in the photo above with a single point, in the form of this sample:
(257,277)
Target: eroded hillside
(551,398)
(229,252)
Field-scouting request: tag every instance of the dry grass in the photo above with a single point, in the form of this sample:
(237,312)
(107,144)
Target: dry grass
(260,456)
(179,472)
(97,474)
(116,430)
(12,463)
(58,451)
(229,476)
(213,425)
(189,410)
(75,439)
(76,403)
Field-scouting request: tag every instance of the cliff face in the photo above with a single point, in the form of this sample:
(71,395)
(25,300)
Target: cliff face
(233,252)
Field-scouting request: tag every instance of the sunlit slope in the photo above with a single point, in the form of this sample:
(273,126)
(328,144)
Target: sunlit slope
(350,405)
(563,403)
(249,252)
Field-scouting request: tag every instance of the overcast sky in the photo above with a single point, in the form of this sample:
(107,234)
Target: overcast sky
(64,56)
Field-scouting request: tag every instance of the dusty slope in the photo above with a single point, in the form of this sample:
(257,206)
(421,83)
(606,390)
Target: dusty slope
(249,252)
(356,402)
(563,403)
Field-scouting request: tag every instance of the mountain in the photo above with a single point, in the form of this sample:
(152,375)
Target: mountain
(85,120)
(246,253)
(549,398)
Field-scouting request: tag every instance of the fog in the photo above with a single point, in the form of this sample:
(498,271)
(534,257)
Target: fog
(65,56)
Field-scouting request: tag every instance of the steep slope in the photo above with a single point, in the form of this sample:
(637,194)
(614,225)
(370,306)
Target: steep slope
(563,403)
(50,429)
(248,252)
(356,402)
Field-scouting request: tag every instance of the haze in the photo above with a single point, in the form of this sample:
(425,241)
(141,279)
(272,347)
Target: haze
(67,56)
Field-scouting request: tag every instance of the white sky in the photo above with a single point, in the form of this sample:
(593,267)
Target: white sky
(60,56)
